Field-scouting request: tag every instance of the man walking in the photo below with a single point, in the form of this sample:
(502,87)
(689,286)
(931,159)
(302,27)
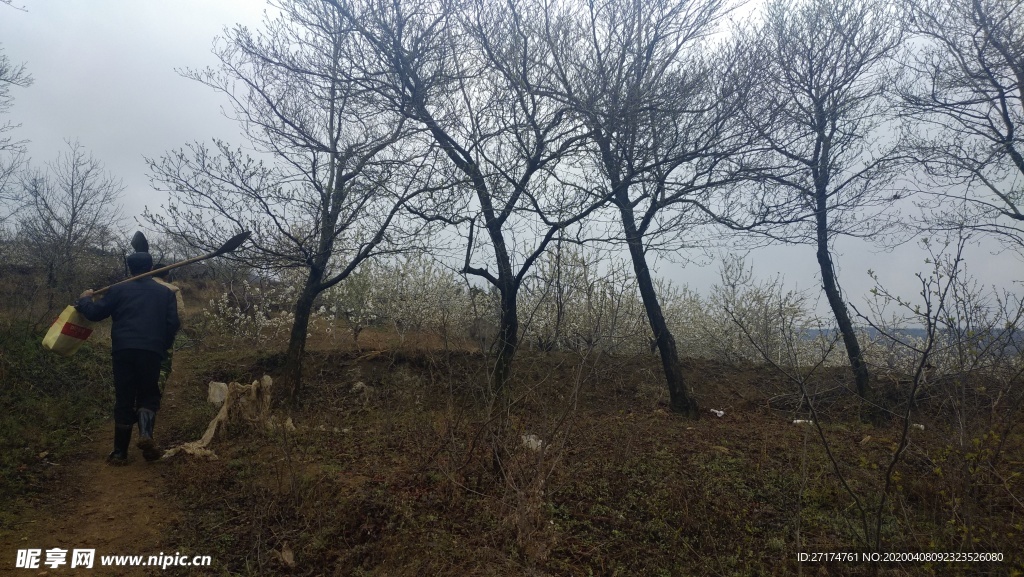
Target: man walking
(145,321)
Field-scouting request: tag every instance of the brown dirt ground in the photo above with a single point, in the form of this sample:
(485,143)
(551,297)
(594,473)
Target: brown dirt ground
(114,510)
(373,446)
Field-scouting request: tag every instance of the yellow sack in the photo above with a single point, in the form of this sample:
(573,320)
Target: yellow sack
(68,332)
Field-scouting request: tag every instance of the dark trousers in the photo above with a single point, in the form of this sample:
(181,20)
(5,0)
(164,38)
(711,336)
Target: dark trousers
(136,383)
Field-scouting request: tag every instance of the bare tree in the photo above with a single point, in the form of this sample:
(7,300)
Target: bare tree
(335,170)
(12,152)
(824,167)
(964,84)
(660,117)
(71,213)
(468,72)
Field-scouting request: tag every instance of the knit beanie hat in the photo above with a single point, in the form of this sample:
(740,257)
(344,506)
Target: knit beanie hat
(139,262)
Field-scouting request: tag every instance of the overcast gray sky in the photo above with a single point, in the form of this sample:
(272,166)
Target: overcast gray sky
(105,74)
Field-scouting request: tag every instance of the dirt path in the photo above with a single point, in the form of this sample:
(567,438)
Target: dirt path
(114,510)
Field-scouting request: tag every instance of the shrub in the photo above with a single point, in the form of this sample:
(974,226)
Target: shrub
(47,405)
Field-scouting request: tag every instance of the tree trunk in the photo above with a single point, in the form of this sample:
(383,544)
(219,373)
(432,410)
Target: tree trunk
(835,300)
(508,343)
(680,400)
(508,336)
(300,326)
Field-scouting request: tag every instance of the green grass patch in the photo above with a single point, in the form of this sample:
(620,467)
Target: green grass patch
(48,405)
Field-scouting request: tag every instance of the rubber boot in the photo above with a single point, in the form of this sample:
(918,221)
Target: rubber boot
(150,450)
(122,440)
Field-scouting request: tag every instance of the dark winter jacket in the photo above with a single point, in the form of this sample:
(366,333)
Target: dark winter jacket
(145,315)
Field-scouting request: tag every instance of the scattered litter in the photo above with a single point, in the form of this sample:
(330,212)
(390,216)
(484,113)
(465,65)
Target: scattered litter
(330,430)
(191,448)
(532,442)
(718,413)
(248,403)
(802,422)
(720,448)
(285,556)
(361,387)
(865,440)
(216,393)
(274,423)
(364,392)
(918,426)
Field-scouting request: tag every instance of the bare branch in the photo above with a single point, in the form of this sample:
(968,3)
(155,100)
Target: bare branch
(963,83)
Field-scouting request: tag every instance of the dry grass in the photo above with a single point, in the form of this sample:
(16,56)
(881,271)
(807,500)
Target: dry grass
(402,478)
(420,472)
